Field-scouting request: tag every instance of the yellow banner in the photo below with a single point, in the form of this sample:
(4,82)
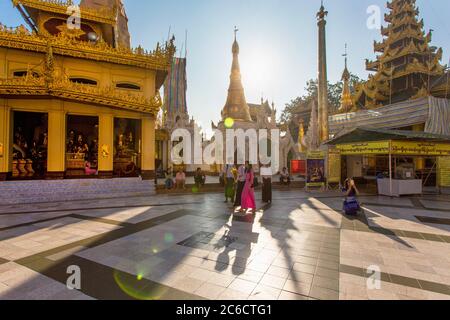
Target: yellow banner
(334,166)
(377,147)
(420,148)
(315,155)
(443,171)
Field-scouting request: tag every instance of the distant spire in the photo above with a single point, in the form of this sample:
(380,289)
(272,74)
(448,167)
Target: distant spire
(346,74)
(236,106)
(346,97)
(345,55)
(235,48)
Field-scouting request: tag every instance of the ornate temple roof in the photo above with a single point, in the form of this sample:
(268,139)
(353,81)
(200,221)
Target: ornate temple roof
(54,84)
(47,19)
(236,106)
(103,14)
(122,35)
(407,64)
(22,39)
(54,40)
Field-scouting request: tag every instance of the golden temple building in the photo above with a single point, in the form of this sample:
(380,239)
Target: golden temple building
(76,100)
(407,67)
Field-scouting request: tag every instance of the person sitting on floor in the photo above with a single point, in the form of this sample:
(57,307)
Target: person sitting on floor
(180,180)
(285,177)
(169,179)
(199,178)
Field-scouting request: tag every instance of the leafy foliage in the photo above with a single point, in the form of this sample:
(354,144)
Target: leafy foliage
(300,107)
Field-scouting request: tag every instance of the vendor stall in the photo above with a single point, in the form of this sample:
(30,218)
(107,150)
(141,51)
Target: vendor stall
(401,162)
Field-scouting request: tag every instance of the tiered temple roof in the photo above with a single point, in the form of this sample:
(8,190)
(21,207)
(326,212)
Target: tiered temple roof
(407,65)
(50,39)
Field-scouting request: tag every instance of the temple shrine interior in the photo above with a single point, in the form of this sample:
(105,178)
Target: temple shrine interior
(30,142)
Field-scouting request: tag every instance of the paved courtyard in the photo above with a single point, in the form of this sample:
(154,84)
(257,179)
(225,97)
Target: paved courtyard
(192,247)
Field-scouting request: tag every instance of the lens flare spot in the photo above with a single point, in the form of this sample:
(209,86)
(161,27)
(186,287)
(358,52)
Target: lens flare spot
(195,190)
(229,123)
(168,237)
(136,289)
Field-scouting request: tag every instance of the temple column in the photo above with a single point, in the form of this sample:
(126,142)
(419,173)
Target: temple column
(5,140)
(322,81)
(148,148)
(56,162)
(106,146)
(419,162)
(167,145)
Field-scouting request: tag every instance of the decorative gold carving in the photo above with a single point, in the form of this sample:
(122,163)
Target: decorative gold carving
(104,15)
(63,88)
(105,151)
(70,33)
(45,17)
(22,39)
(422,92)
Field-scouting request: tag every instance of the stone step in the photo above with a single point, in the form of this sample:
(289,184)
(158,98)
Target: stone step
(40,191)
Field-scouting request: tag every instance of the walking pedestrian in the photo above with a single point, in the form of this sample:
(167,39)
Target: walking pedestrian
(241,174)
(266,176)
(248,194)
(229,182)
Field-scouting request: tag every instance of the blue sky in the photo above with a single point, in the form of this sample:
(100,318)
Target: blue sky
(278,40)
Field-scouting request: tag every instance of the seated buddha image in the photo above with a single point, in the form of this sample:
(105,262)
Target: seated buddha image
(125,145)
(81,147)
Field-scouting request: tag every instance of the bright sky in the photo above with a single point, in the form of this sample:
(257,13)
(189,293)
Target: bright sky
(278,41)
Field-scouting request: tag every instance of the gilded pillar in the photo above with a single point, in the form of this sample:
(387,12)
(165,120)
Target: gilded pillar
(5,140)
(419,162)
(323,79)
(148,148)
(56,162)
(301,135)
(106,146)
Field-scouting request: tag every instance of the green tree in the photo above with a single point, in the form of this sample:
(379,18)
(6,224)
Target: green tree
(300,107)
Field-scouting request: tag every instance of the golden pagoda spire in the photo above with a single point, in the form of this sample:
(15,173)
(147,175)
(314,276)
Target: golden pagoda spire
(236,106)
(346,97)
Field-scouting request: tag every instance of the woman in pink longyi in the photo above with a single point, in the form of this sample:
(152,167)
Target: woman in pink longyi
(248,194)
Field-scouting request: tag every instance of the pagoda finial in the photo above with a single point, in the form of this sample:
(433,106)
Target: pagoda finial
(345,55)
(235,43)
(322,13)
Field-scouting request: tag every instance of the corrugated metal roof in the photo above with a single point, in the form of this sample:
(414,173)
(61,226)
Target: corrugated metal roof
(370,134)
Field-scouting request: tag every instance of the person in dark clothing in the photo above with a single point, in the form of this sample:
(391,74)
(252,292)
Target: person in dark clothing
(199,178)
(351,204)
(266,175)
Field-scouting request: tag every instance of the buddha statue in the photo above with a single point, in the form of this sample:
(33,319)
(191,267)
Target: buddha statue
(82,149)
